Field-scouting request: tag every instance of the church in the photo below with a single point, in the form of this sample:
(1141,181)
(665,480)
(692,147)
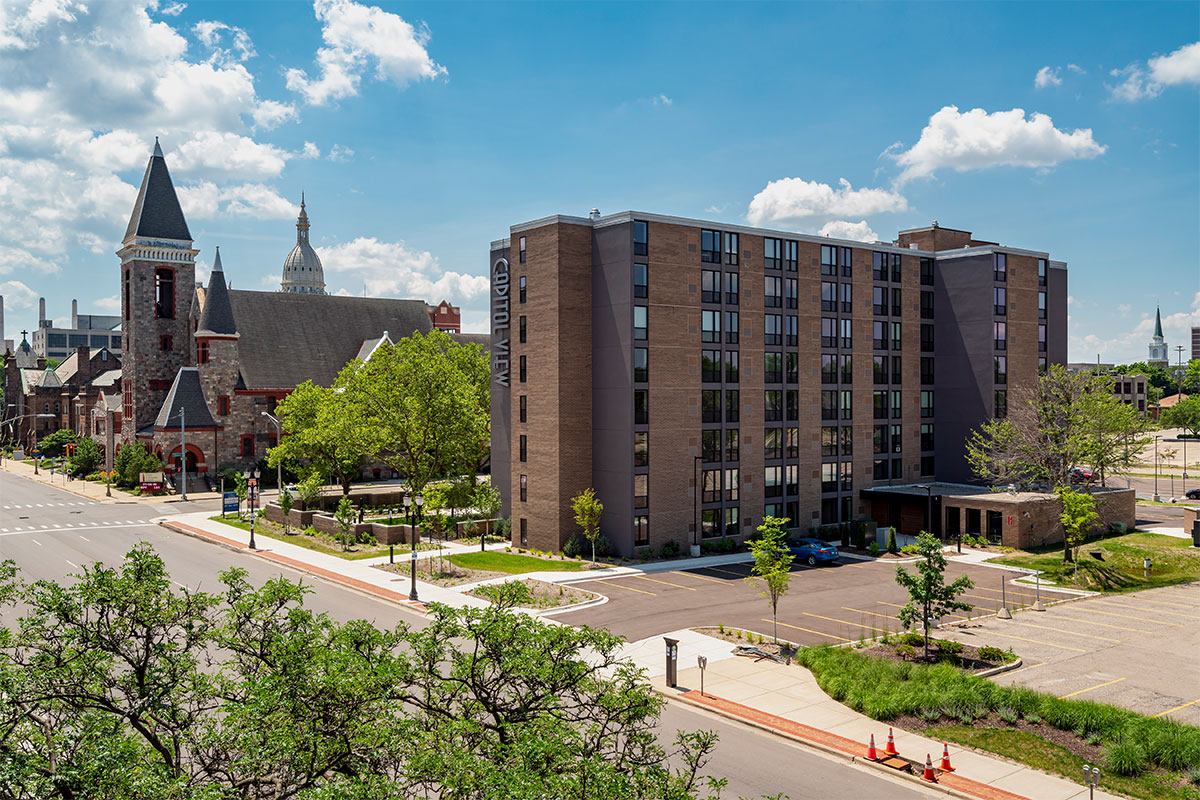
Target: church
(204,367)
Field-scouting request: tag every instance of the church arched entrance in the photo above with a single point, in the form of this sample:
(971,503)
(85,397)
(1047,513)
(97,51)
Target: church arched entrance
(194,459)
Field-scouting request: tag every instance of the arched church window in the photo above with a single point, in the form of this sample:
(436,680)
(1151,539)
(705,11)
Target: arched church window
(164,293)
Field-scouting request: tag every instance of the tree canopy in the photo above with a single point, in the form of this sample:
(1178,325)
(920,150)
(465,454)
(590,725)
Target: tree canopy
(323,433)
(1184,414)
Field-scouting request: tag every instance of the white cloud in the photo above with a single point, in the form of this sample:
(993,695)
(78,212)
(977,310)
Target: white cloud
(392,269)
(269,114)
(356,37)
(1047,76)
(661,100)
(1131,345)
(1078,70)
(173,10)
(310,151)
(792,200)
(340,153)
(206,200)
(228,155)
(17,295)
(844,229)
(978,140)
(212,33)
(111,303)
(1178,67)
(1123,309)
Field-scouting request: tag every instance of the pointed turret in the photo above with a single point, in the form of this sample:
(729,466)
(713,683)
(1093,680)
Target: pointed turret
(217,317)
(157,213)
(1158,323)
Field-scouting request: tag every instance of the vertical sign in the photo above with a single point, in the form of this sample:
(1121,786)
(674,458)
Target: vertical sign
(500,322)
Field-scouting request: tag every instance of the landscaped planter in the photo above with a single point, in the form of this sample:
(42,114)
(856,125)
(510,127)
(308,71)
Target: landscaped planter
(393,534)
(295,518)
(484,527)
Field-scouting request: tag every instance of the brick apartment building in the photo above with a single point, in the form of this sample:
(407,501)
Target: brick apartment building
(701,376)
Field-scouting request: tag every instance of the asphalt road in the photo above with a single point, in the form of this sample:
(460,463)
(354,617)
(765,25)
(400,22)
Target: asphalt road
(51,533)
(830,603)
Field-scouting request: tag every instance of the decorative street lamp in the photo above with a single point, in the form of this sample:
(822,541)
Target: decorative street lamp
(412,509)
(251,476)
(279,465)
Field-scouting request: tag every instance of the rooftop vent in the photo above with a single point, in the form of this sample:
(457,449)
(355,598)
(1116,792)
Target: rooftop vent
(594,214)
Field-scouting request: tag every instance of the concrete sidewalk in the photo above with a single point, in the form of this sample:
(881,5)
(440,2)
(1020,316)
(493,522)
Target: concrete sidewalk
(787,700)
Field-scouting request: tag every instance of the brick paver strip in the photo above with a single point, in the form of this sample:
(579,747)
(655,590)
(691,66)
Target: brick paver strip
(830,740)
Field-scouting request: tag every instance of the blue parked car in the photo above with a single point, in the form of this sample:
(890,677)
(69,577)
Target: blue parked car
(812,550)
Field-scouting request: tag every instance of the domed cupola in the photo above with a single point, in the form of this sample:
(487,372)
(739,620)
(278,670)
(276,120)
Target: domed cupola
(302,271)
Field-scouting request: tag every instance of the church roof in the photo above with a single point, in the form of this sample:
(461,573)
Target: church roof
(188,396)
(217,316)
(286,339)
(157,213)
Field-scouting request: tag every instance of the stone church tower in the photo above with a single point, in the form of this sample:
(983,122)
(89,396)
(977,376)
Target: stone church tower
(158,274)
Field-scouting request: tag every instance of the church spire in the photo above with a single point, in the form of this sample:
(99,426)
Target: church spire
(302,223)
(157,213)
(217,317)
(1158,323)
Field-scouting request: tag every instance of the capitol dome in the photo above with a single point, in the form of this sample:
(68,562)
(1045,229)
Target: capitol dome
(302,270)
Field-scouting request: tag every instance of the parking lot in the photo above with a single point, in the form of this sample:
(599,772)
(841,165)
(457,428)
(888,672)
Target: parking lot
(832,603)
(1133,650)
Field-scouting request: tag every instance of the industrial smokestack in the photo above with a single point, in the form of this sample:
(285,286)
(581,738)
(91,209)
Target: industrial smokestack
(42,312)
(74,314)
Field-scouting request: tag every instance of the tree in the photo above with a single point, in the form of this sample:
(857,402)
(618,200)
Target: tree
(1062,421)
(587,516)
(1185,414)
(309,489)
(929,598)
(132,460)
(772,564)
(1078,515)
(285,505)
(55,444)
(323,430)
(426,402)
(487,502)
(87,458)
(345,518)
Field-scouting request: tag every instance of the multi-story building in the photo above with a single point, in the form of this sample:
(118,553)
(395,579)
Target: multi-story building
(701,376)
(95,331)
(1195,343)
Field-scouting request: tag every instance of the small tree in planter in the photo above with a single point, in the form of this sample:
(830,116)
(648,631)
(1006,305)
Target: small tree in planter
(285,505)
(772,564)
(487,501)
(929,598)
(345,518)
(1077,517)
(309,490)
(587,516)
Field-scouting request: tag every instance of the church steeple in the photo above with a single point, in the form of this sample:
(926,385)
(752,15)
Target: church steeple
(1158,347)
(157,213)
(217,317)
(1158,334)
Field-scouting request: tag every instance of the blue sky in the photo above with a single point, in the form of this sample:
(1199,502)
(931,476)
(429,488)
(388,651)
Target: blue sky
(421,131)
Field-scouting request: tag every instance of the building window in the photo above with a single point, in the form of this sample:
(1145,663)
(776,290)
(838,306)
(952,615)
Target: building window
(731,288)
(1042,365)
(641,449)
(710,247)
(880,440)
(524,488)
(731,444)
(641,529)
(792,398)
(897,405)
(247,446)
(522,328)
(790,293)
(926,338)
(521,250)
(1041,338)
(847,297)
(522,409)
(897,438)
(166,344)
(772,329)
(521,284)
(1041,272)
(710,405)
(772,253)
(164,293)
(897,306)
(790,258)
(847,444)
(896,370)
(731,327)
(731,521)
(710,445)
(710,286)
(829,368)
(710,481)
(792,368)
(829,401)
(521,369)
(926,435)
(773,443)
(1000,300)
(828,296)
(895,267)
(772,291)
(773,405)
(1041,305)
(1000,369)
(879,404)
(641,280)
(202,352)
(127,308)
(829,441)
(731,366)
(1000,267)
(927,272)
(926,305)
(522,449)
(1000,335)
(879,370)
(829,259)
(879,266)
(732,406)
(641,238)
(772,367)
(829,476)
(897,468)
(773,483)
(641,407)
(223,406)
(640,331)
(828,332)
(847,398)
(926,370)
(879,332)
(524,532)
(710,523)
(641,490)
(731,249)
(710,326)
(846,468)
(641,365)
(710,366)
(879,304)
(926,465)
(1001,403)
(926,404)
(792,444)
(896,340)
(847,370)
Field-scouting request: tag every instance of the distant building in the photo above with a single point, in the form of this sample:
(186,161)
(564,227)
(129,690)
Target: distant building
(446,317)
(1159,352)
(1130,389)
(1195,342)
(302,269)
(97,331)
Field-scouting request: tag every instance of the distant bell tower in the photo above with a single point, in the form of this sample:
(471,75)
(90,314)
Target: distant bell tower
(158,276)
(302,270)
(1158,346)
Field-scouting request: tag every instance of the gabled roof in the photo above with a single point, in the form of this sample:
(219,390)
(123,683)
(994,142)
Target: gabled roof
(217,316)
(50,379)
(369,346)
(157,213)
(108,378)
(187,395)
(67,369)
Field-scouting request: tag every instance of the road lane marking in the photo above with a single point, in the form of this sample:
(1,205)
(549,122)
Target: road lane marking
(57,525)
(43,527)
(664,583)
(1150,610)
(1036,641)
(704,578)
(807,630)
(1090,688)
(1131,616)
(1101,624)
(35,541)
(39,505)
(86,539)
(630,588)
(1176,708)
(72,563)
(1064,630)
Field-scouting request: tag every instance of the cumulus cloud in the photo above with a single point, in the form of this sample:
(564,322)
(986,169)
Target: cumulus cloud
(340,153)
(228,155)
(844,229)
(310,151)
(1130,345)
(271,114)
(17,295)
(1139,83)
(795,200)
(978,140)
(207,200)
(173,10)
(112,303)
(1047,76)
(392,269)
(356,38)
(1078,70)
(213,35)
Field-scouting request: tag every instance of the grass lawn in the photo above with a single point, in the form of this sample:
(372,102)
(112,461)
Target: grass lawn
(514,564)
(1040,754)
(307,542)
(1174,561)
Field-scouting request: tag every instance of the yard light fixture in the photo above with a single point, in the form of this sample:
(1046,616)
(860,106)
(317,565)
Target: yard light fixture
(251,476)
(413,509)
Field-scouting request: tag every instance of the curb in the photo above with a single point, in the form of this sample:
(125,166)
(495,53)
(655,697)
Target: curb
(945,782)
(987,673)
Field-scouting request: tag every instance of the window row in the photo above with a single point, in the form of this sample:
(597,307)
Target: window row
(711,486)
(835,332)
(711,362)
(710,405)
(833,258)
(837,441)
(711,283)
(715,442)
(779,292)
(774,365)
(837,404)
(780,441)
(835,296)
(777,478)
(714,245)
(837,476)
(778,254)
(710,327)
(719,522)
(777,401)
(778,329)
(836,369)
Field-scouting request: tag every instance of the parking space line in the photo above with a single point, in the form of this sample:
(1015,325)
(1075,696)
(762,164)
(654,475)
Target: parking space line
(1130,616)
(842,621)
(1090,688)
(704,578)
(806,630)
(1101,624)
(1063,630)
(1176,708)
(1151,610)
(1159,602)
(981,597)
(897,605)
(664,583)
(1010,593)
(725,571)
(1035,641)
(872,613)
(630,588)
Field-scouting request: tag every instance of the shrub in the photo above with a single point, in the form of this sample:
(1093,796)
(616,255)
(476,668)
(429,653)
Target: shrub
(910,550)
(603,547)
(722,545)
(913,639)
(873,549)
(575,545)
(366,537)
(645,553)
(905,651)
(670,549)
(930,713)
(1125,757)
(1008,714)
(95,476)
(949,646)
(1193,774)
(1172,745)
(891,544)
(995,654)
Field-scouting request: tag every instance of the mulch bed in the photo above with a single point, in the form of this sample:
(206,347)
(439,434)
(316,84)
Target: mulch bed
(550,595)
(1066,739)
(449,575)
(968,659)
(763,642)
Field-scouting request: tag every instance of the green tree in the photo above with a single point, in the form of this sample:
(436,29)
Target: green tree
(55,444)
(1078,516)
(345,518)
(587,516)
(1185,414)
(772,565)
(87,458)
(929,598)
(132,460)
(309,489)
(285,505)
(1191,377)
(323,431)
(426,402)
(487,502)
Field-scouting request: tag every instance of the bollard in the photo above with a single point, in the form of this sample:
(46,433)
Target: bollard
(702,662)
(1003,613)
(1146,565)
(672,657)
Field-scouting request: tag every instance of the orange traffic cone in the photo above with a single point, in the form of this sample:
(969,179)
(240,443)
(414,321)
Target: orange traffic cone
(872,754)
(928,776)
(946,759)
(891,745)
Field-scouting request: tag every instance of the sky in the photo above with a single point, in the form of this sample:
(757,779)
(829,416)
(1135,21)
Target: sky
(419,132)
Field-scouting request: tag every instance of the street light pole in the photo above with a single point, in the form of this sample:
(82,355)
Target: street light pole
(695,506)
(1156,438)
(413,508)
(251,493)
(279,463)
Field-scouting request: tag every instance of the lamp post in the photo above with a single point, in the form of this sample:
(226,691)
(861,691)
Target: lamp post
(279,463)
(412,509)
(1156,497)
(251,492)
